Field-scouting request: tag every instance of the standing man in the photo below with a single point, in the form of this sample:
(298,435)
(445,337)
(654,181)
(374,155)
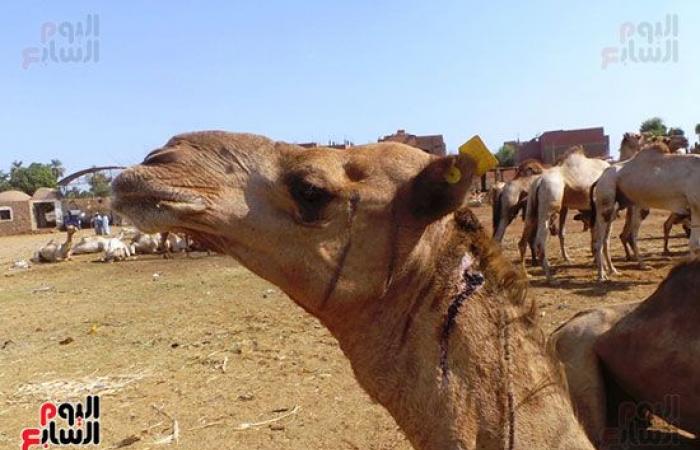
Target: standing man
(97,223)
(105,225)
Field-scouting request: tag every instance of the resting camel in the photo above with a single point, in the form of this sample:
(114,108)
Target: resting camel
(89,244)
(513,197)
(653,178)
(376,243)
(560,188)
(145,243)
(54,252)
(608,356)
(116,250)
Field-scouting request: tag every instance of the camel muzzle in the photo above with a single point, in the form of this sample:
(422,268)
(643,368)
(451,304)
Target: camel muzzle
(152,204)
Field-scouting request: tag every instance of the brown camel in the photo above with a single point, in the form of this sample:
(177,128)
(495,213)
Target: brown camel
(609,358)
(54,252)
(376,243)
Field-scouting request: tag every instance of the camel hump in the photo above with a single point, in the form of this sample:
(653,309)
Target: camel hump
(656,147)
(575,150)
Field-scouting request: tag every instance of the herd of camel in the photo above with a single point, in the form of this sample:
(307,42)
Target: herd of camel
(128,243)
(377,243)
(653,174)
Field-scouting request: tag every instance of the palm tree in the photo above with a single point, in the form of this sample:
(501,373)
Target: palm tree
(57,168)
(655,126)
(15,166)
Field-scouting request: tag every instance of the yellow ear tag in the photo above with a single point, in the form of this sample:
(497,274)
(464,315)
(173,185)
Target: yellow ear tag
(453,175)
(477,150)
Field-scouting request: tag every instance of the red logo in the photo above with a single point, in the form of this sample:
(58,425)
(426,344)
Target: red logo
(65,424)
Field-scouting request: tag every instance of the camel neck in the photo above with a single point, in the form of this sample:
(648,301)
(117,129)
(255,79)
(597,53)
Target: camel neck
(457,362)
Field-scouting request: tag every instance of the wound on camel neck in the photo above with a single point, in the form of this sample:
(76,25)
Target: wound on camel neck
(470,282)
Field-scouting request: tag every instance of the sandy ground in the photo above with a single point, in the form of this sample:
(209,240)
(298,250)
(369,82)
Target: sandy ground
(202,343)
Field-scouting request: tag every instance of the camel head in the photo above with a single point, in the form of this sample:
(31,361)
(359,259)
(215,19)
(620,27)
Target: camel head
(326,226)
(528,168)
(630,145)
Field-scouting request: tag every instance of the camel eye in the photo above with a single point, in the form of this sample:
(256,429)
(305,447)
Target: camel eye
(310,198)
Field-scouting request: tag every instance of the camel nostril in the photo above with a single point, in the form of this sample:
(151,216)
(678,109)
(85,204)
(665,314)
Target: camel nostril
(160,156)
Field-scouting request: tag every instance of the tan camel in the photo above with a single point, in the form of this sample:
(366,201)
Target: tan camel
(653,178)
(375,242)
(609,358)
(630,146)
(560,188)
(54,252)
(512,198)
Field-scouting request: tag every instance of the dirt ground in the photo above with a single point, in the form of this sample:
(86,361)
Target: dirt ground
(201,346)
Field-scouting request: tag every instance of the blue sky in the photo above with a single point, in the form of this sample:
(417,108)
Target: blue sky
(320,70)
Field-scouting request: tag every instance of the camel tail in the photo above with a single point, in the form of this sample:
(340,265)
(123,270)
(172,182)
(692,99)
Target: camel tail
(533,202)
(592,200)
(496,212)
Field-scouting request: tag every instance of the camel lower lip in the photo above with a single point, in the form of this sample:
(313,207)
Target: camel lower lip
(182,207)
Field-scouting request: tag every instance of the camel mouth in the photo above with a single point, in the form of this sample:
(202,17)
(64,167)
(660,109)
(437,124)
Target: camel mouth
(160,199)
(153,205)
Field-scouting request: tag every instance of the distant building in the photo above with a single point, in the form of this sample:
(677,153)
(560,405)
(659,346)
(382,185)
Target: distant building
(551,145)
(433,144)
(15,213)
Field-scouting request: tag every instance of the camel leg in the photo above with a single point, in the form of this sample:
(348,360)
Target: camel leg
(562,233)
(625,235)
(694,241)
(526,239)
(541,244)
(602,246)
(608,259)
(635,223)
(668,225)
(600,229)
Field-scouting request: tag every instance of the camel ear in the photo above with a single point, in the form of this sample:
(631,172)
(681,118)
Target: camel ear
(440,188)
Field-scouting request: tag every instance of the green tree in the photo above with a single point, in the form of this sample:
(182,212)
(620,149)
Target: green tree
(100,185)
(506,156)
(4,181)
(57,168)
(29,179)
(676,131)
(75,192)
(697,130)
(655,126)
